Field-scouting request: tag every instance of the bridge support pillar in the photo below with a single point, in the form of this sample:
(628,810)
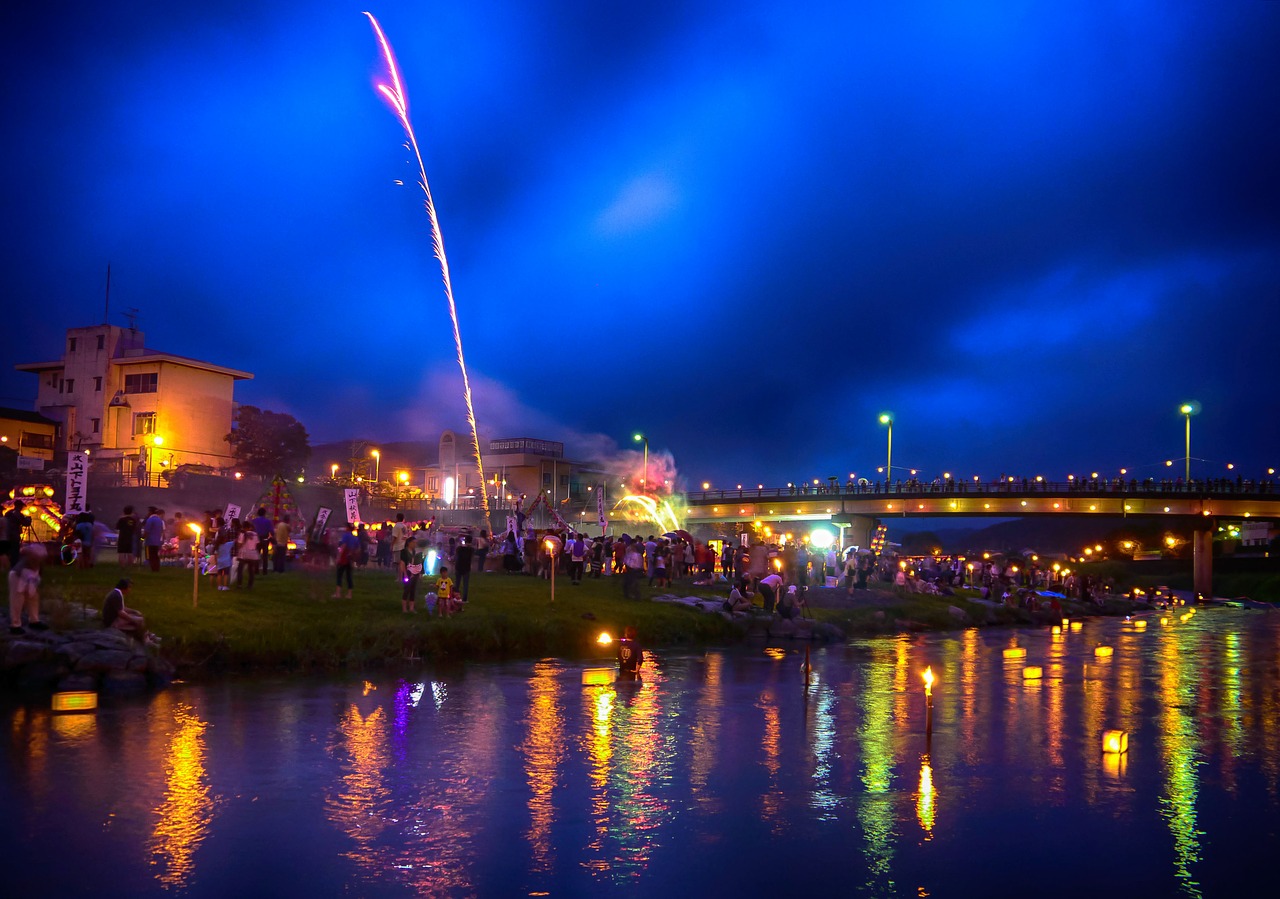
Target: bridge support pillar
(1202,560)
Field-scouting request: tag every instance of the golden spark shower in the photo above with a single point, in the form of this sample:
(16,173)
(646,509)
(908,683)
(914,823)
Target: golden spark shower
(394,94)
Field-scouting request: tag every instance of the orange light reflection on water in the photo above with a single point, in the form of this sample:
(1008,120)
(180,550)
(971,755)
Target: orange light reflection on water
(184,817)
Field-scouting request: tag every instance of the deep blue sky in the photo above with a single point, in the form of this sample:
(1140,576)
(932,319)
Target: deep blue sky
(1029,229)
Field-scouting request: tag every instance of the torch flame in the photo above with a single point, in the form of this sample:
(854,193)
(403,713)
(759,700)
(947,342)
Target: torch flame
(604,639)
(928,680)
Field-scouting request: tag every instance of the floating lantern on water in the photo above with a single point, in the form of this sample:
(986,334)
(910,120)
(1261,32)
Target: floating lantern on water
(75,701)
(1057,629)
(1076,625)
(1103,652)
(1140,624)
(1032,672)
(1164,622)
(594,677)
(1015,652)
(1115,741)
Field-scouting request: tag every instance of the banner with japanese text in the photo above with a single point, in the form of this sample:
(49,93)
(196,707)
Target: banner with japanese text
(351,497)
(77,469)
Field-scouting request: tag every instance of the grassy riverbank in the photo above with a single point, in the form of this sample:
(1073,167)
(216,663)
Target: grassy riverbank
(291,621)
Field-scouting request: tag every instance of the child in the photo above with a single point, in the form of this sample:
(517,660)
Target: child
(444,593)
(410,563)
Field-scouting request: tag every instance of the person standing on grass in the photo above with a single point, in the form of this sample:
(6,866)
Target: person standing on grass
(444,594)
(410,562)
(348,553)
(24,589)
(462,558)
(262,527)
(153,535)
(247,555)
(280,548)
(127,531)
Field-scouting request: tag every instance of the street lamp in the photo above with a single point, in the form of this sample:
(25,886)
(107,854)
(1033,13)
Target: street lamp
(638,438)
(377,466)
(886,418)
(333,471)
(1187,410)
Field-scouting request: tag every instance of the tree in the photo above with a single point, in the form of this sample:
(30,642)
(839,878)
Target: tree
(269,443)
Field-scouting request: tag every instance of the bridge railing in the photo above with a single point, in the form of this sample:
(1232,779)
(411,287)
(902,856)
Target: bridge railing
(1084,487)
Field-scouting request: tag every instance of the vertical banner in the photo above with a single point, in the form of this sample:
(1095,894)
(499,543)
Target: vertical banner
(351,496)
(322,518)
(511,525)
(77,467)
(231,514)
(604,524)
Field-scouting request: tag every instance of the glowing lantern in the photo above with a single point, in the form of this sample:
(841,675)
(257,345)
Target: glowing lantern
(1057,629)
(75,701)
(1164,622)
(604,639)
(1032,672)
(1015,652)
(1103,652)
(594,677)
(1140,624)
(1115,741)
(1077,625)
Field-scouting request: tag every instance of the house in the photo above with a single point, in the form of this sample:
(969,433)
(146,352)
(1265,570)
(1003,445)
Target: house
(138,411)
(29,435)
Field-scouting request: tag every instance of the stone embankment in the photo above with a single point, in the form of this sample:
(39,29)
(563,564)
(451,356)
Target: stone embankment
(98,659)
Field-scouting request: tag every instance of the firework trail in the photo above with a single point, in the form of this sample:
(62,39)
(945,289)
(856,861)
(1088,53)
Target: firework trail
(394,94)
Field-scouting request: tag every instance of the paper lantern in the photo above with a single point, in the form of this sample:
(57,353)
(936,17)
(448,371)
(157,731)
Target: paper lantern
(1015,652)
(1140,624)
(1032,672)
(1115,741)
(75,701)
(1076,625)
(593,677)
(1103,652)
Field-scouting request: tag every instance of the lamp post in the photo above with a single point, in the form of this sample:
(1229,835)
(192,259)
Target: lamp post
(639,437)
(1187,410)
(886,418)
(377,466)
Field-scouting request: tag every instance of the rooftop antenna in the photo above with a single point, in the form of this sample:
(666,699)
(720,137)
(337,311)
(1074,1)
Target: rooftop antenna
(106,303)
(131,316)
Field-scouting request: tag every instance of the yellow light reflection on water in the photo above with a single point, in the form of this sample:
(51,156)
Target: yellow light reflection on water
(1179,752)
(925,798)
(875,734)
(543,750)
(183,819)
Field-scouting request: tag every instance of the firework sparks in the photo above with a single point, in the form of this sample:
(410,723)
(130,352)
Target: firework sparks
(395,95)
(658,512)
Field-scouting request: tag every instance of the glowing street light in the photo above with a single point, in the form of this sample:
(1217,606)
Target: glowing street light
(333,471)
(1187,410)
(886,418)
(637,438)
(377,465)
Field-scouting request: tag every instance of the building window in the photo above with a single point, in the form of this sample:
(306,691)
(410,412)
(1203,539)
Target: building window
(32,440)
(546,479)
(71,385)
(144,423)
(143,383)
(97,385)
(102,342)
(95,422)
(71,344)
(433,485)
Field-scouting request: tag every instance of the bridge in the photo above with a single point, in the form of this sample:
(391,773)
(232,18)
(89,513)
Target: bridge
(862,506)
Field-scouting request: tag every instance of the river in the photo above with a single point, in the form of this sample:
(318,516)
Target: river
(728,772)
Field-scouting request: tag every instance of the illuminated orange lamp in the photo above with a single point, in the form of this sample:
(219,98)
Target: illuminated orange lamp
(1077,625)
(1140,623)
(1032,672)
(604,639)
(1015,652)
(1115,741)
(1057,629)
(1103,652)
(75,701)
(594,677)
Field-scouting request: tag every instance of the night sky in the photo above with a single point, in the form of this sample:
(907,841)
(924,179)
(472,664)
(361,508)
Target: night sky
(1031,230)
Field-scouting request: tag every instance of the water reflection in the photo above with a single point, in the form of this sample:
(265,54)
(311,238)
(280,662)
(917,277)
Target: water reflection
(183,820)
(707,776)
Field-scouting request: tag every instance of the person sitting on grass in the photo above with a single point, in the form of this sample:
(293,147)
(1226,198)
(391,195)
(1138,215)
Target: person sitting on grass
(119,616)
(446,603)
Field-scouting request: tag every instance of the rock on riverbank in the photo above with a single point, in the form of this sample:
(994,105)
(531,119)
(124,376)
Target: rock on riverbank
(102,659)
